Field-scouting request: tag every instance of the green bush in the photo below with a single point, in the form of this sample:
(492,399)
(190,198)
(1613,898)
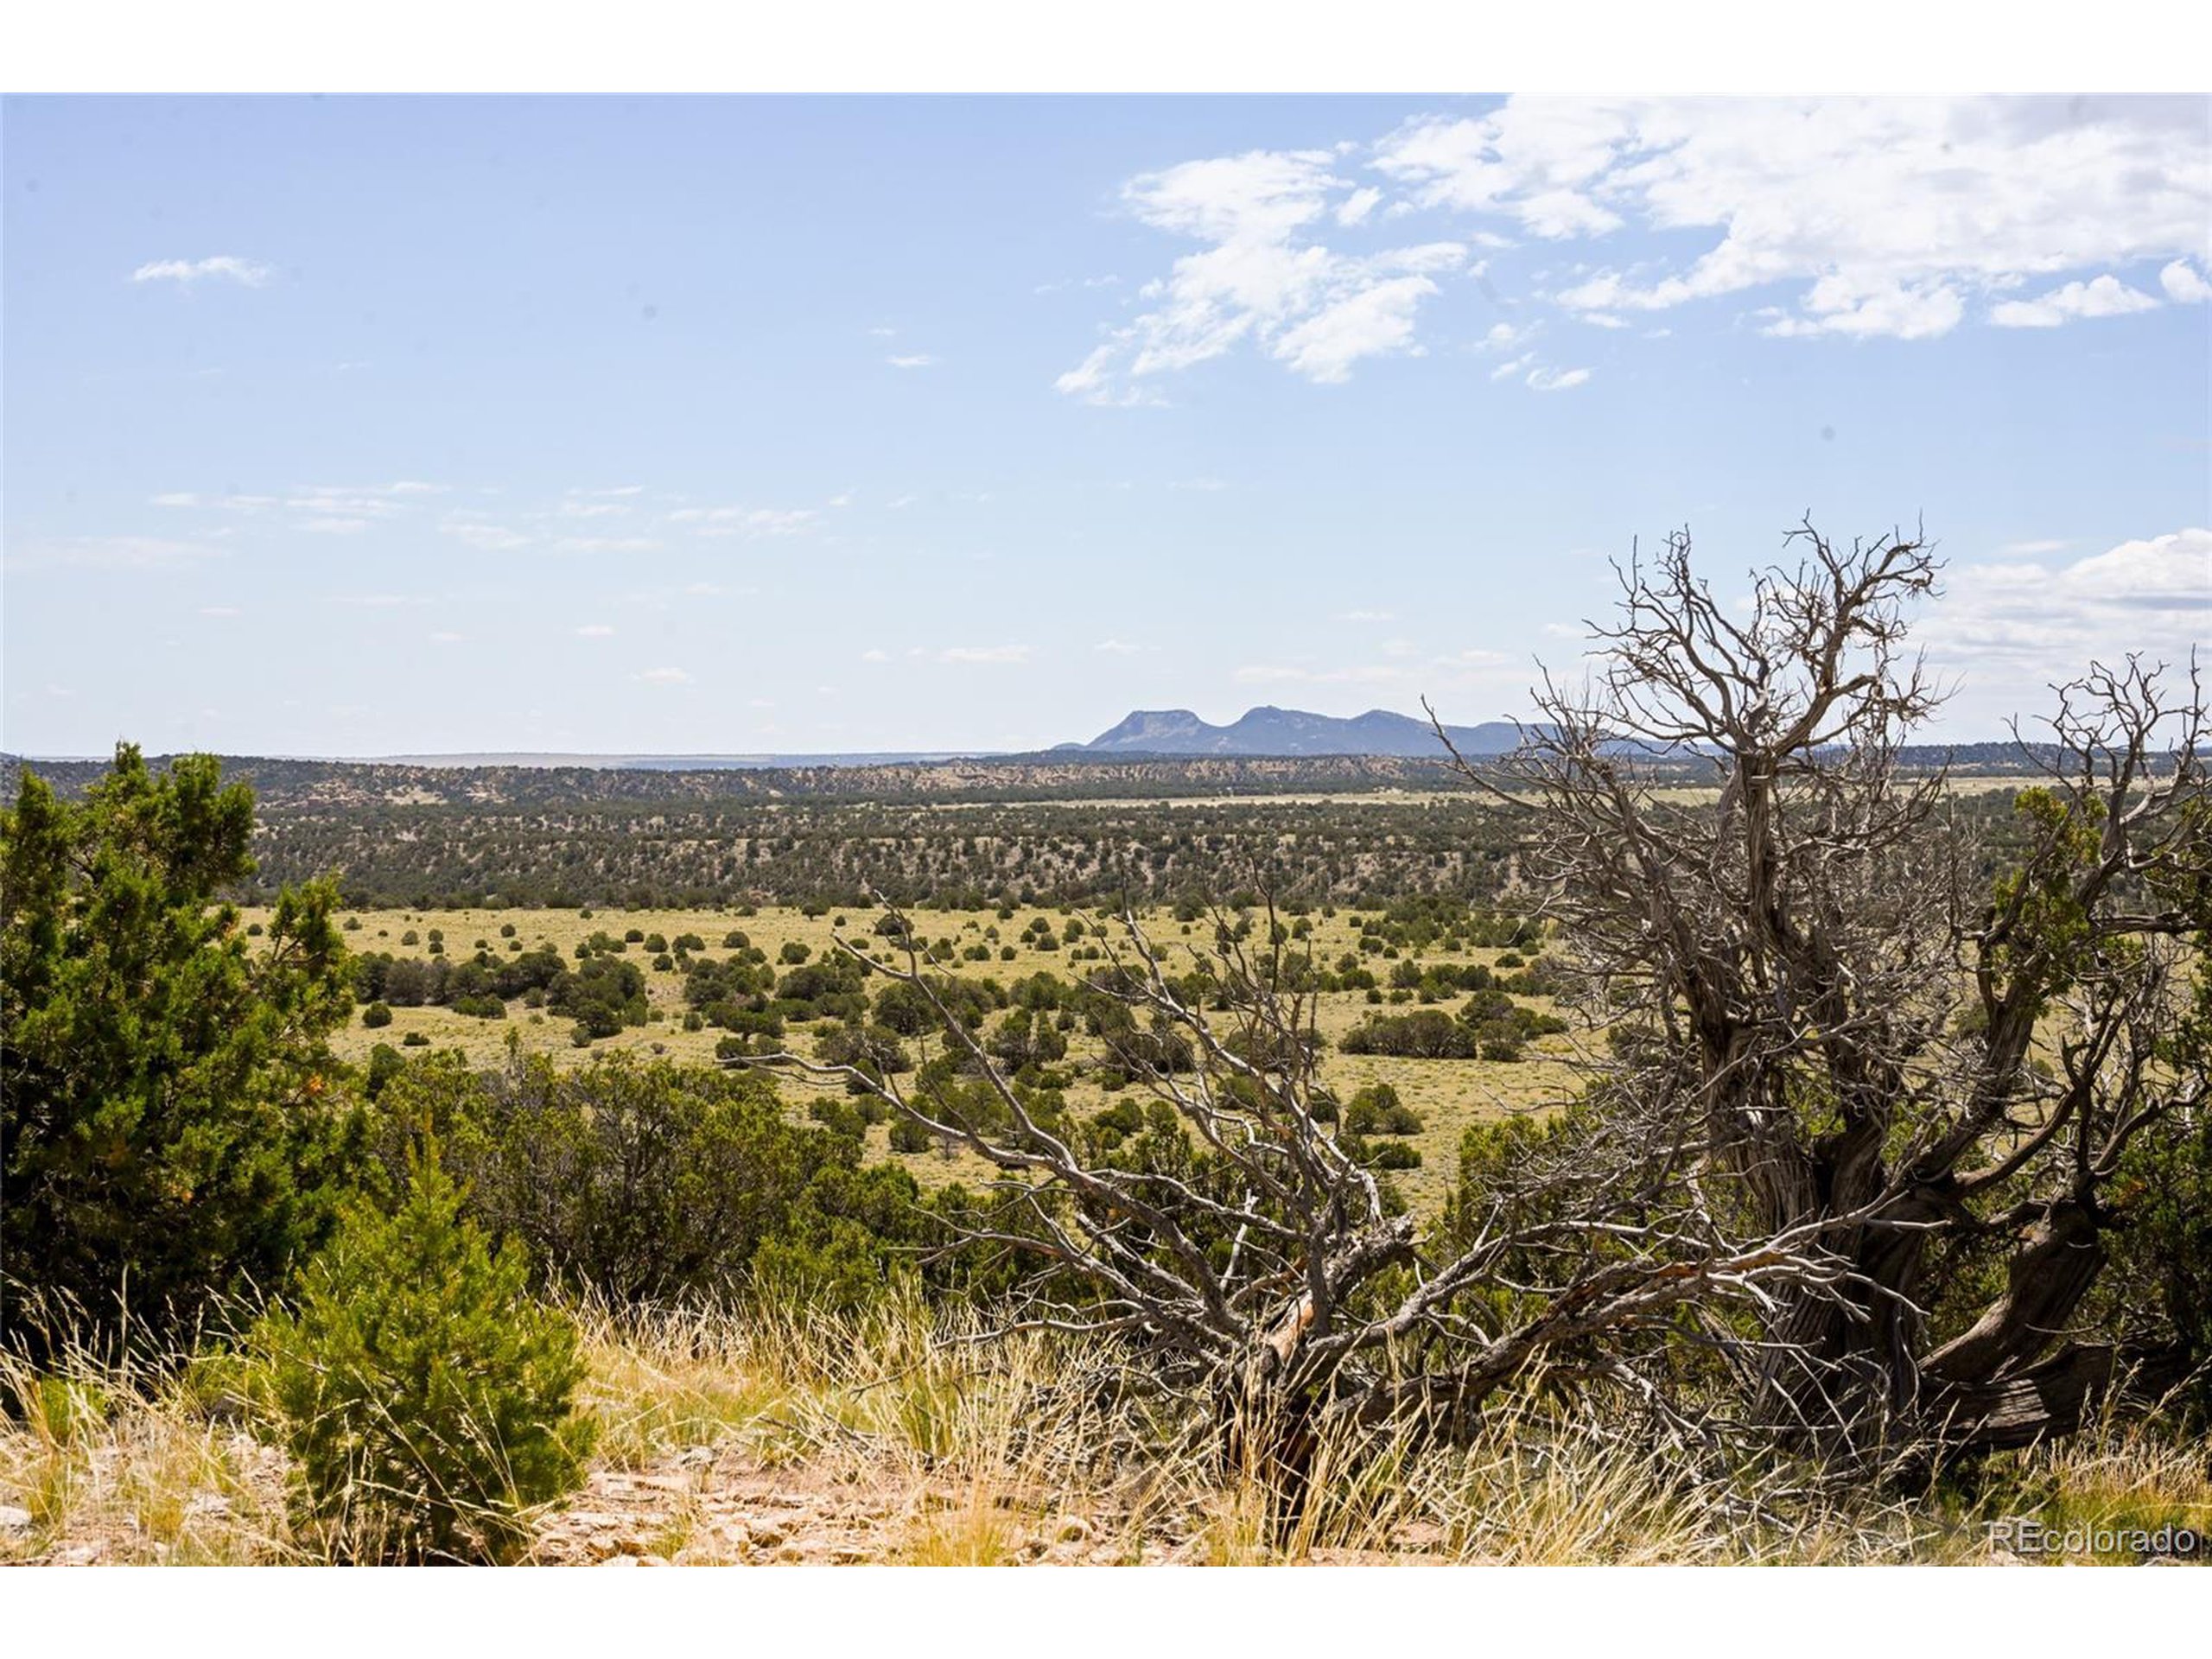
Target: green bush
(638,1181)
(377,1015)
(427,1401)
(167,1129)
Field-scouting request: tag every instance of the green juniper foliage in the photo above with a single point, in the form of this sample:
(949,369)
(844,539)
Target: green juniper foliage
(427,1400)
(170,1133)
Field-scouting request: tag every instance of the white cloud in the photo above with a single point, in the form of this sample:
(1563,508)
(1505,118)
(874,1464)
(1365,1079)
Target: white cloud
(1357,205)
(984,654)
(342,501)
(1377,322)
(2185,284)
(447,637)
(875,656)
(665,676)
(2013,627)
(1117,648)
(1603,319)
(2103,296)
(745,521)
(1259,278)
(1886,213)
(188,272)
(1512,366)
(594,630)
(219,611)
(591,509)
(335,526)
(1557,379)
(918,360)
(2164,573)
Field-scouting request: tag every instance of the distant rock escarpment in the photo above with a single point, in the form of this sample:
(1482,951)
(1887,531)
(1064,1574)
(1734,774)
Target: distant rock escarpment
(1271,731)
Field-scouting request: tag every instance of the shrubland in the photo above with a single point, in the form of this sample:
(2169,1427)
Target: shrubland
(1875,1208)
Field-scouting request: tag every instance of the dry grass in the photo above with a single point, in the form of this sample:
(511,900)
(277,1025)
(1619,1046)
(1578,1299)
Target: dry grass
(1450,1095)
(896,1436)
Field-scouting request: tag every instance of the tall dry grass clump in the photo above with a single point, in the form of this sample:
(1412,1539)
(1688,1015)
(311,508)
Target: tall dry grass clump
(901,1433)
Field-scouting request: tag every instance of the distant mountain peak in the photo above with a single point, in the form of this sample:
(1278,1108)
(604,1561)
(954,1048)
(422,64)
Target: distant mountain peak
(1268,730)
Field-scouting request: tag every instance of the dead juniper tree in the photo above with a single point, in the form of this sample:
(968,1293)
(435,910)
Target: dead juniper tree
(1259,1273)
(1949,1066)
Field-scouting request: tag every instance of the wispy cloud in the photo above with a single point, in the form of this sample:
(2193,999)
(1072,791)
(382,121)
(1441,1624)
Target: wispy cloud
(1261,278)
(665,676)
(224,266)
(1856,217)
(918,360)
(594,630)
(1001,654)
(745,521)
(1557,379)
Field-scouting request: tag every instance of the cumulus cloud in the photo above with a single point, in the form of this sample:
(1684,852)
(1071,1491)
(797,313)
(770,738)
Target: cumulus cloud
(2103,296)
(186,272)
(1849,218)
(2009,628)
(2185,284)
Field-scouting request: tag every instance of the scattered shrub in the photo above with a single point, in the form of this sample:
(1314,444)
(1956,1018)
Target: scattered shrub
(427,1401)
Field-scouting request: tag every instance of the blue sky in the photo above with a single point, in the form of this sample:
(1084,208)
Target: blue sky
(360,426)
